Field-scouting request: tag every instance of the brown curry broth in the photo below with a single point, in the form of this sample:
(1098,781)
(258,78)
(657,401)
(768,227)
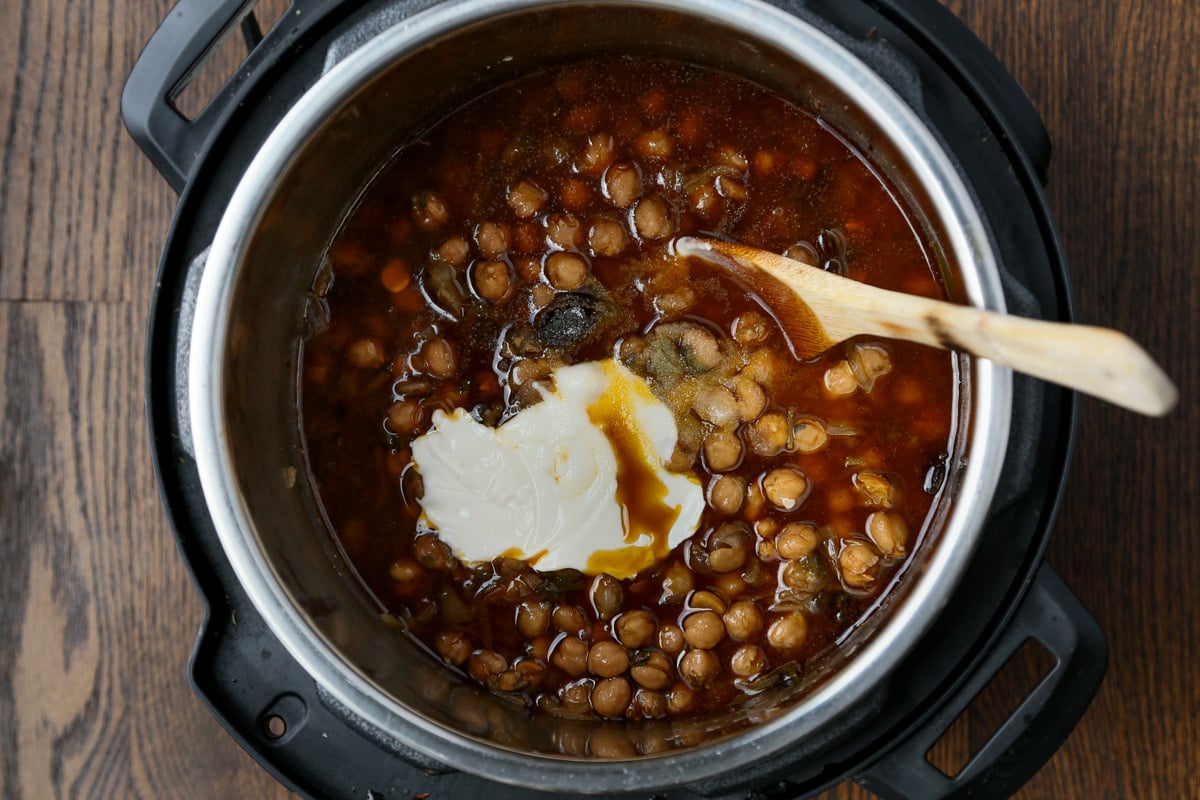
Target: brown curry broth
(469,159)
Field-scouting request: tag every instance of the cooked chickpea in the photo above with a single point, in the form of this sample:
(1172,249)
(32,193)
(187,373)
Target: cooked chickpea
(611,696)
(875,488)
(888,531)
(788,632)
(751,399)
(755,503)
(566,271)
(404,417)
(607,659)
(785,488)
(492,280)
(653,218)
(672,304)
(768,435)
(525,198)
(486,663)
(570,656)
(704,629)
(726,494)
(652,669)
(722,450)
(705,201)
(716,405)
(454,251)
(751,328)
(431,552)
(454,646)
(727,547)
(677,581)
(569,619)
(729,584)
(743,621)
(655,144)
(430,211)
(840,380)
(541,295)
(405,570)
(859,562)
(748,660)
(596,155)
(649,705)
(533,618)
(797,539)
(732,189)
(766,550)
(706,600)
(622,184)
(680,699)
(440,359)
(806,575)
(577,695)
(869,362)
(699,667)
(493,239)
(700,348)
(809,435)
(635,628)
(607,238)
(670,638)
(564,231)
(366,353)
(607,596)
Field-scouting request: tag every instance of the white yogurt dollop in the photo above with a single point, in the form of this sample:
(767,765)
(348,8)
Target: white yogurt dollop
(576,481)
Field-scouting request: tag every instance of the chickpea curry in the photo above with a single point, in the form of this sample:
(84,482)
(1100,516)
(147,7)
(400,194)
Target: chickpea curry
(531,231)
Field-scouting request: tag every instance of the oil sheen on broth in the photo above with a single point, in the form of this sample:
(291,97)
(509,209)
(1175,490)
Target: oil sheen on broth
(530,231)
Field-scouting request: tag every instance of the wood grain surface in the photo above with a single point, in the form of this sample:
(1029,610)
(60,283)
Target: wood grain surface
(96,612)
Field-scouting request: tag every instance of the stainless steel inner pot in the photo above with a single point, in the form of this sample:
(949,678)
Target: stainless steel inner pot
(254,309)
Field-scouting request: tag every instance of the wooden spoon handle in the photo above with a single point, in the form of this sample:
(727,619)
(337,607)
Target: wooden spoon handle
(1098,361)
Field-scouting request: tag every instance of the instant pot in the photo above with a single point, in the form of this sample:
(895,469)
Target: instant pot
(293,656)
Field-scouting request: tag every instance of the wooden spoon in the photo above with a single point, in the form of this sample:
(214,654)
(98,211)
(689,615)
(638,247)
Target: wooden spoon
(818,309)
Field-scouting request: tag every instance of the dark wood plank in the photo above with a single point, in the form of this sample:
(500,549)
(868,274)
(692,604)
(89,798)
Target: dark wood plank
(96,613)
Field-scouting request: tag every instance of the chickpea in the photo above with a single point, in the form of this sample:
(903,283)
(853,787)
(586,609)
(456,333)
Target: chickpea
(404,417)
(454,646)
(676,583)
(652,669)
(722,450)
(766,550)
(569,619)
(785,488)
(564,230)
(670,639)
(755,503)
(743,621)
(788,632)
(566,271)
(622,184)
(672,304)
(571,656)
(805,574)
(405,570)
(888,531)
(577,695)
(430,211)
(797,539)
(768,435)
(366,353)
(607,238)
(680,699)
(699,667)
(751,328)
(431,552)
(751,399)
(533,618)
(485,664)
(635,628)
(454,251)
(575,195)
(706,600)
(704,629)
(840,380)
(732,189)
(440,358)
(859,562)
(655,144)
(705,202)
(809,435)
(607,596)
(607,659)
(729,584)
(727,547)
(875,488)
(726,494)
(493,239)
(653,218)
(525,198)
(596,155)
(649,705)
(869,362)
(701,348)
(716,405)
(492,280)
(748,660)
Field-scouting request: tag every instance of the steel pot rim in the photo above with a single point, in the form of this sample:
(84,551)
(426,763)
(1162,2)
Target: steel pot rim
(991,398)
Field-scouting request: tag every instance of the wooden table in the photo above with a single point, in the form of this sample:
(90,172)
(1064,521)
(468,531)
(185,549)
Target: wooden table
(97,612)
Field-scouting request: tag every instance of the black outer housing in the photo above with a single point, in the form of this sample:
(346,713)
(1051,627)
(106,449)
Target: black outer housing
(1006,597)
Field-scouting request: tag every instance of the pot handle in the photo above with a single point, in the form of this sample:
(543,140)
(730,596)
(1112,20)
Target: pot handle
(1054,617)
